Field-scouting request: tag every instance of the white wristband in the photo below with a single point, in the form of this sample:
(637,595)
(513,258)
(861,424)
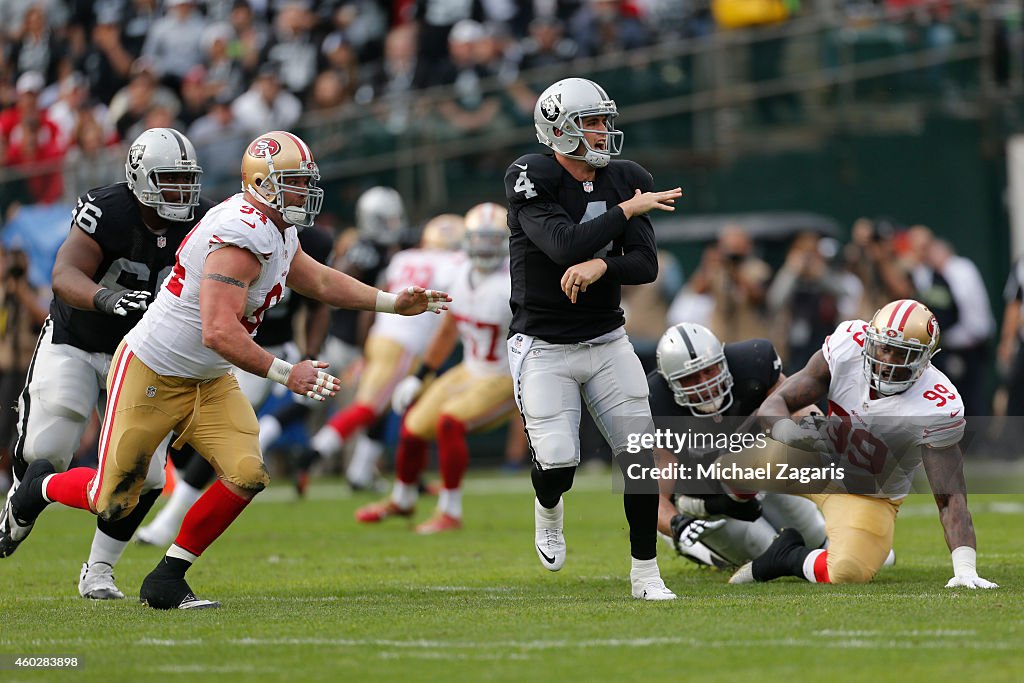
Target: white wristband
(386,302)
(279,371)
(965,561)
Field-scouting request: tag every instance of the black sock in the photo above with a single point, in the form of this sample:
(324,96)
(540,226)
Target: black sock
(640,503)
(123,529)
(171,568)
(551,484)
(784,557)
(31,503)
(199,474)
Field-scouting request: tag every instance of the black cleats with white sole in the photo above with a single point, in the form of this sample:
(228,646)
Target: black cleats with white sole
(23,507)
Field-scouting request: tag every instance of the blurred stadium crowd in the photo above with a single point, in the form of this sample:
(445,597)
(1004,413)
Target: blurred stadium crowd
(80,78)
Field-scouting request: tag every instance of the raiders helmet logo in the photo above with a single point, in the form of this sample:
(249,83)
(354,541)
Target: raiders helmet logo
(260,147)
(135,155)
(551,107)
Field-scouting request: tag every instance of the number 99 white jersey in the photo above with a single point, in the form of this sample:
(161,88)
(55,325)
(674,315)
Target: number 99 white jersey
(880,438)
(169,339)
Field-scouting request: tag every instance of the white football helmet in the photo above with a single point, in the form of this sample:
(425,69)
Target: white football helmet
(558,117)
(685,350)
(271,165)
(155,154)
(899,343)
(380,215)
(486,241)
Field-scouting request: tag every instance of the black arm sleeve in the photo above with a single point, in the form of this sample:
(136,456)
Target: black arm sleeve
(639,264)
(549,227)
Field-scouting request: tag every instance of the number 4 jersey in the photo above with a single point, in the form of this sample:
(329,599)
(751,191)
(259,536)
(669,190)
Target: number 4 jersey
(134,257)
(169,339)
(879,438)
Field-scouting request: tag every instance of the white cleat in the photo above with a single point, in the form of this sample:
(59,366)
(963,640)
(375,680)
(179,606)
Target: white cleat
(890,560)
(151,534)
(97,582)
(548,538)
(652,589)
(744,574)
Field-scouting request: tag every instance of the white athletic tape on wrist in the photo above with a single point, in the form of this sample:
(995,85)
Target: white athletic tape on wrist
(965,561)
(279,371)
(386,301)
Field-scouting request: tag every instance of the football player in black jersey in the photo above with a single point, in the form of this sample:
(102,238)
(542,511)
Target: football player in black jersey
(579,231)
(699,377)
(276,334)
(121,246)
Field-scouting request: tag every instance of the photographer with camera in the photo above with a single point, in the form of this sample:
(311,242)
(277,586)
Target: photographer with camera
(870,256)
(21,316)
(737,281)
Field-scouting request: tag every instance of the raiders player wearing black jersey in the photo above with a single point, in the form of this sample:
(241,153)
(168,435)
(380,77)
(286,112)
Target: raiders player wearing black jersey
(699,377)
(579,231)
(121,246)
(276,334)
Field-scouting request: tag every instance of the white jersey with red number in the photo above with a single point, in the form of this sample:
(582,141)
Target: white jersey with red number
(480,304)
(880,438)
(427,268)
(169,338)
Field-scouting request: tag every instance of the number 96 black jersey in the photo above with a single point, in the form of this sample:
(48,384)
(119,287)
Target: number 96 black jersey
(133,258)
(556,222)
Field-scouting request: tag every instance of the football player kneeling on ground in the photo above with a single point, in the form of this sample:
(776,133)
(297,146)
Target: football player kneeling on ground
(474,396)
(172,371)
(699,377)
(890,411)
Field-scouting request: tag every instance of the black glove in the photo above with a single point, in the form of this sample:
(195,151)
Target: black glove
(120,302)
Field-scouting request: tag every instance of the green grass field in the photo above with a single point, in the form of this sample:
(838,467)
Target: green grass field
(309,596)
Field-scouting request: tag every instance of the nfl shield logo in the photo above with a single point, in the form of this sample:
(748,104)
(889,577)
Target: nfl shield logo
(161,241)
(150,391)
(588,186)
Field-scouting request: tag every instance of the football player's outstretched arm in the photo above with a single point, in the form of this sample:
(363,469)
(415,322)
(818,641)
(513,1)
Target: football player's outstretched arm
(317,281)
(222,296)
(945,470)
(804,388)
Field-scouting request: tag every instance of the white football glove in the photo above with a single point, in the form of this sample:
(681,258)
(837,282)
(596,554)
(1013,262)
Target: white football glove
(120,302)
(697,529)
(405,393)
(807,435)
(965,573)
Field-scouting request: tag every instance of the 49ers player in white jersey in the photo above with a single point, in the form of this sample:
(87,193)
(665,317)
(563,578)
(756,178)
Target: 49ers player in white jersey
(394,346)
(474,396)
(890,411)
(171,372)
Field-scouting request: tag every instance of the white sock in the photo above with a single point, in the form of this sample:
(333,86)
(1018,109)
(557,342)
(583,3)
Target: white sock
(106,549)
(890,559)
(544,518)
(644,570)
(168,521)
(326,442)
(362,468)
(809,565)
(270,430)
(404,495)
(182,554)
(450,502)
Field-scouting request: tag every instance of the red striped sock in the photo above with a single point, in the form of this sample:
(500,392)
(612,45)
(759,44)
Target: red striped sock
(209,517)
(410,458)
(356,416)
(70,488)
(452,451)
(816,567)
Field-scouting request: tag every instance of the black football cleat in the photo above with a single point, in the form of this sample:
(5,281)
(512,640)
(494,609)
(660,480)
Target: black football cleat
(784,557)
(23,507)
(161,592)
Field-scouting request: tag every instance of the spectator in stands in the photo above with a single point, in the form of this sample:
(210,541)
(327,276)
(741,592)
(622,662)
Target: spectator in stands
(965,343)
(37,48)
(72,100)
(105,61)
(292,49)
(737,281)
(603,27)
(26,107)
(12,15)
(338,57)
(806,299)
(36,149)
(435,19)
(395,81)
(143,92)
(251,37)
(218,137)
(137,20)
(87,163)
(646,308)
(363,25)
(173,42)
(266,106)
(1010,353)
(471,109)
(224,75)
(871,257)
(547,44)
(195,95)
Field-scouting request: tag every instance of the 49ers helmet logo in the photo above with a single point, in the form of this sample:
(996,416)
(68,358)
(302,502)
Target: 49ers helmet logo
(260,147)
(933,327)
